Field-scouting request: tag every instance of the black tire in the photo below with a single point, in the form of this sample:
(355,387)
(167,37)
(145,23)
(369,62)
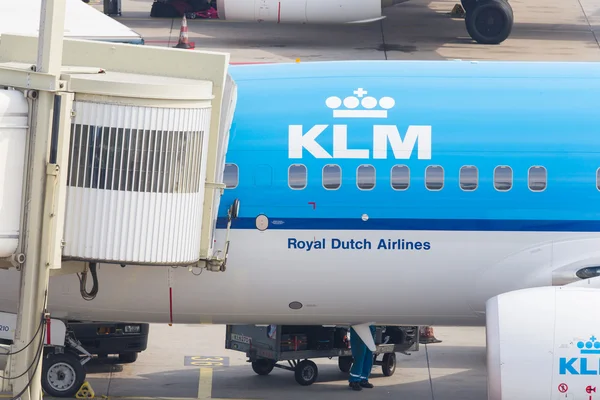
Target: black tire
(345,363)
(263,366)
(490,21)
(62,375)
(128,358)
(388,365)
(468,5)
(306,373)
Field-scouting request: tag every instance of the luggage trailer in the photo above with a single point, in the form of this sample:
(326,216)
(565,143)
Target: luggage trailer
(266,345)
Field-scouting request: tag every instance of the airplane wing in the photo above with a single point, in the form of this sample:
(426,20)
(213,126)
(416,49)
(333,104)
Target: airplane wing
(82,21)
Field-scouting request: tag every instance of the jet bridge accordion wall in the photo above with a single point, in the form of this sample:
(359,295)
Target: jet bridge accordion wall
(135,185)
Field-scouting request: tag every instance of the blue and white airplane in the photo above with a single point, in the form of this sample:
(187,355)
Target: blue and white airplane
(394,193)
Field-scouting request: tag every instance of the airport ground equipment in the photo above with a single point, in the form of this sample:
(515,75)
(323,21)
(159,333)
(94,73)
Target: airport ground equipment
(265,346)
(112,7)
(110,153)
(125,339)
(70,345)
(63,356)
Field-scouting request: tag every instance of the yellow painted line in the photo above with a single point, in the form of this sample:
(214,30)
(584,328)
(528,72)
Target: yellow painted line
(205,383)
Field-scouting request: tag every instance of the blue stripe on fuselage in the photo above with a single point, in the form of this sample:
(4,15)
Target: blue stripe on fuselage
(483,114)
(472,225)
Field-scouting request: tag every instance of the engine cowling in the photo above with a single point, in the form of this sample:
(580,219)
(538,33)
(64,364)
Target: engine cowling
(544,343)
(300,11)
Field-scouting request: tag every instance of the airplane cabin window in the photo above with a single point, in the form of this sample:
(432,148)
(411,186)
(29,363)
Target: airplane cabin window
(365,177)
(400,177)
(537,178)
(598,179)
(468,178)
(332,177)
(230,176)
(297,176)
(434,177)
(503,178)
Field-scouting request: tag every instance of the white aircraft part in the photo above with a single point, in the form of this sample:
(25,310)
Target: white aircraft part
(14,123)
(429,287)
(441,283)
(543,343)
(300,11)
(592,283)
(552,261)
(82,21)
(135,192)
(365,334)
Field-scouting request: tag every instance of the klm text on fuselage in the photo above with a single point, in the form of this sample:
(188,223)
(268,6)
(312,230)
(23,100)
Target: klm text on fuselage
(382,134)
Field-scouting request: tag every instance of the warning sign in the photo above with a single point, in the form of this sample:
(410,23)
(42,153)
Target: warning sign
(563,387)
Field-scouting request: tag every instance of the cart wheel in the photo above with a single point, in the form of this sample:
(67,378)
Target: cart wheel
(262,366)
(128,358)
(388,365)
(306,372)
(345,363)
(62,375)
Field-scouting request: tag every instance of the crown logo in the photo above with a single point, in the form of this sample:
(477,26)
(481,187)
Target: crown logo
(351,104)
(590,347)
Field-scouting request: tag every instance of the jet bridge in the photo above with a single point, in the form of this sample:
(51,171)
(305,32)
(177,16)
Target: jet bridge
(112,154)
(146,150)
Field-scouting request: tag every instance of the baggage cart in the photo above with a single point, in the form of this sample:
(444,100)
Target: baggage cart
(267,345)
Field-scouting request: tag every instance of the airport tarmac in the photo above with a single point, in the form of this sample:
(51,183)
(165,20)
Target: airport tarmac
(453,369)
(557,30)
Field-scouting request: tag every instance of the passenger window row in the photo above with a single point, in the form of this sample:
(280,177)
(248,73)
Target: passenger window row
(400,177)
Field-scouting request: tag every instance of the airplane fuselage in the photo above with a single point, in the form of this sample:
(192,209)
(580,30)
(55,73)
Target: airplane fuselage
(386,192)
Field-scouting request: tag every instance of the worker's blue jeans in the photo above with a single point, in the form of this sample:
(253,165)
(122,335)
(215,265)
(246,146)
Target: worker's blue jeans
(363,359)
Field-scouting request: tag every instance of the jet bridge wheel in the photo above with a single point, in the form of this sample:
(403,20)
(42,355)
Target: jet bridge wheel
(62,374)
(489,21)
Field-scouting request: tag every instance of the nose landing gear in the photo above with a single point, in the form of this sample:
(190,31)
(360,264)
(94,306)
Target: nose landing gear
(488,21)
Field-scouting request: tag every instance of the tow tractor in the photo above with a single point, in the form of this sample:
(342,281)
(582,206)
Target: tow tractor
(67,347)
(266,345)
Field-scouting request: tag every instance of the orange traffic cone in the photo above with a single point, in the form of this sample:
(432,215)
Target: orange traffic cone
(184,42)
(426,335)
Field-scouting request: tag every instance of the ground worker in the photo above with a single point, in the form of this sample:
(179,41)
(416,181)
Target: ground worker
(363,361)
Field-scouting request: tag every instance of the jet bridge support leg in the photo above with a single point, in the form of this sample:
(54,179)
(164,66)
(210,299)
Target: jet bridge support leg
(45,182)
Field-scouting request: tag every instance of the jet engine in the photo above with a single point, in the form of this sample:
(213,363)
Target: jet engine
(544,343)
(300,11)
